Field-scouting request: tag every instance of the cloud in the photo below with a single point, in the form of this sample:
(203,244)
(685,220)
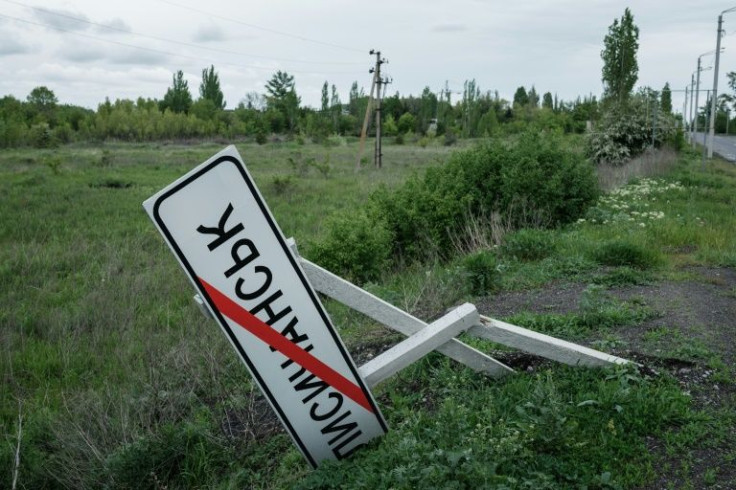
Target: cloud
(208,33)
(449,28)
(132,56)
(116,24)
(10,46)
(62,19)
(81,53)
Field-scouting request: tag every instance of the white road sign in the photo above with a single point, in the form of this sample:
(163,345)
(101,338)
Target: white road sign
(218,226)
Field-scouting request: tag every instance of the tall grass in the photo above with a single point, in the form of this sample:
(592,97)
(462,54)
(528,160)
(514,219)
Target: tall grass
(651,163)
(122,383)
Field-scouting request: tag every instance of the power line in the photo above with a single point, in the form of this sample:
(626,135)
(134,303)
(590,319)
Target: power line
(266,29)
(168,53)
(180,43)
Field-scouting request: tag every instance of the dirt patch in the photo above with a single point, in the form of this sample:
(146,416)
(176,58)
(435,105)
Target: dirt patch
(691,338)
(703,309)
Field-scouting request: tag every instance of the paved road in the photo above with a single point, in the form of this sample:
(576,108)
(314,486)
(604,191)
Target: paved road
(725,146)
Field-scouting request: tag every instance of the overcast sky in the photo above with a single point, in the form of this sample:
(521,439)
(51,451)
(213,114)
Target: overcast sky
(86,50)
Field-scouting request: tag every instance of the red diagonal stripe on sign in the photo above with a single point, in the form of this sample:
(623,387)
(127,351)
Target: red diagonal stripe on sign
(281,343)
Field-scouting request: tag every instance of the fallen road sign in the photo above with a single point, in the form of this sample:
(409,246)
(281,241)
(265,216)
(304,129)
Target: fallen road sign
(218,226)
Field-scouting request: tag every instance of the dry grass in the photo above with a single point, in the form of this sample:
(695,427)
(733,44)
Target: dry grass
(651,163)
(488,230)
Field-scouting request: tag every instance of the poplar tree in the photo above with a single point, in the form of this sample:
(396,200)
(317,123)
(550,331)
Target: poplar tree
(325,98)
(547,102)
(210,87)
(666,99)
(620,68)
(521,98)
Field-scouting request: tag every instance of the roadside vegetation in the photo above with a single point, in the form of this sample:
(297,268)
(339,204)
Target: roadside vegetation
(119,381)
(587,220)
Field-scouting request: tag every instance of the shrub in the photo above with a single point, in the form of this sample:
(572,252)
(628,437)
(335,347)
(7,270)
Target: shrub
(450,137)
(261,138)
(356,246)
(281,184)
(482,272)
(528,245)
(41,136)
(626,131)
(536,178)
(406,123)
(533,182)
(622,253)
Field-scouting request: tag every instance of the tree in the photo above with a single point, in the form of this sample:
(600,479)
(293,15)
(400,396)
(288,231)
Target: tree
(255,101)
(280,84)
(533,97)
(353,97)
(325,99)
(178,98)
(282,96)
(335,108)
(406,123)
(210,87)
(666,99)
(204,109)
(521,98)
(427,109)
(547,102)
(43,98)
(620,68)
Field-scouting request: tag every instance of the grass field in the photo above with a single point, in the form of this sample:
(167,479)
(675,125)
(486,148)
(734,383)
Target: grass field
(112,377)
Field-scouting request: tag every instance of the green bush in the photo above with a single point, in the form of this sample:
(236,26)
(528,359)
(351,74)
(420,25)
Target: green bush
(41,136)
(482,272)
(529,245)
(622,253)
(406,123)
(534,179)
(357,247)
(626,131)
(450,137)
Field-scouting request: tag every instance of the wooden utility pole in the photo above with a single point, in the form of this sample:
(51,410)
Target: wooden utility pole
(375,87)
(366,120)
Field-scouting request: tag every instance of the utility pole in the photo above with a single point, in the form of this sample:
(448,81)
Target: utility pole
(366,120)
(697,94)
(375,87)
(684,110)
(719,33)
(378,153)
(690,121)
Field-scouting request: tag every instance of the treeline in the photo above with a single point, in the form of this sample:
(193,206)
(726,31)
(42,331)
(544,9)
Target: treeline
(40,121)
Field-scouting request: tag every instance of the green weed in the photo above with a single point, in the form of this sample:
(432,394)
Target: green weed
(482,272)
(625,253)
(529,244)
